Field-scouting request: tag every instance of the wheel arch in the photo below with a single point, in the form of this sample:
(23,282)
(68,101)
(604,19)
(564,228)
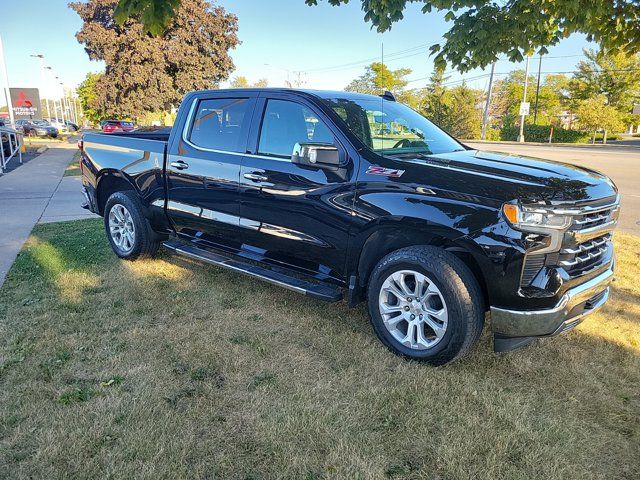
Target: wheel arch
(393,234)
(109,182)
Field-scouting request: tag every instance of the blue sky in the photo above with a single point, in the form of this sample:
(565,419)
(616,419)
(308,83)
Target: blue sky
(279,37)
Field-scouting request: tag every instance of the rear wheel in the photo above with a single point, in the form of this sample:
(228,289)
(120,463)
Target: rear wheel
(128,230)
(425,304)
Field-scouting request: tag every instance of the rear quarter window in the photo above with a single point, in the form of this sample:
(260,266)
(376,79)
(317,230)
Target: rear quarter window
(217,124)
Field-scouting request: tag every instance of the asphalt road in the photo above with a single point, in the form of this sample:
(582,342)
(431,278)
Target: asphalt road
(620,163)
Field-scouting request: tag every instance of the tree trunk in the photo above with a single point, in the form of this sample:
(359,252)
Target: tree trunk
(593,139)
(604,138)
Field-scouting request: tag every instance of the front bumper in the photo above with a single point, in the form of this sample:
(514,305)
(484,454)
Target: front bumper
(574,305)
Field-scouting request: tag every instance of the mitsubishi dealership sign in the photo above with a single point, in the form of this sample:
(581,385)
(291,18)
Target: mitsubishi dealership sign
(26,103)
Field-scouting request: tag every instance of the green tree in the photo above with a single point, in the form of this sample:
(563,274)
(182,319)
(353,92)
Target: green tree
(595,114)
(616,76)
(465,115)
(378,78)
(155,15)
(241,81)
(151,74)
(435,100)
(86,91)
(483,29)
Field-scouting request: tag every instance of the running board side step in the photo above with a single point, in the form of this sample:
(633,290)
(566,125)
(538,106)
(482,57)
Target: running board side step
(324,292)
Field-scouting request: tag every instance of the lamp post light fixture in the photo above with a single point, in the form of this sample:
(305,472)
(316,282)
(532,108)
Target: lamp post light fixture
(43,85)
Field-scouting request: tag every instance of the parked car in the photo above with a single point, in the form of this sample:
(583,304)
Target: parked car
(430,233)
(111,126)
(40,128)
(72,126)
(59,124)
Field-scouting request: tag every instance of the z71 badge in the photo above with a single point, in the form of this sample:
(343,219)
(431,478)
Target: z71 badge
(387,172)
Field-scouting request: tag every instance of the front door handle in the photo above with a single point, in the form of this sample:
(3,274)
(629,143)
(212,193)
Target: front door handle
(255,177)
(180,165)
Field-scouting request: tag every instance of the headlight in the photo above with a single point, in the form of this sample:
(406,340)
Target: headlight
(534,218)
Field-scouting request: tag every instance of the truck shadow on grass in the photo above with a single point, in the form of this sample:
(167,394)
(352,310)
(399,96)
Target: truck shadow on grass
(227,376)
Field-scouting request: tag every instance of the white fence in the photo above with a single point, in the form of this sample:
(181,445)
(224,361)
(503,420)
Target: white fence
(11,142)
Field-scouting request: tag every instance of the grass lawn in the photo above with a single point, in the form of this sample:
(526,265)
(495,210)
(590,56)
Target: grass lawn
(73,169)
(168,369)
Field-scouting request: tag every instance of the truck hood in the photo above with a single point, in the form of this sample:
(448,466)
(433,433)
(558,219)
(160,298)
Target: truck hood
(506,177)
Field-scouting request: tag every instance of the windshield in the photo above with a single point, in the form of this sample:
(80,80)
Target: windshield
(390,128)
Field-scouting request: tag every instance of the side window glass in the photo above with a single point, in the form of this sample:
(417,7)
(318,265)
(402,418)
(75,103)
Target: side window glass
(286,123)
(217,124)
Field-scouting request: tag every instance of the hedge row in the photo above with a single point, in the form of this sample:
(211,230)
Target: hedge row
(540,133)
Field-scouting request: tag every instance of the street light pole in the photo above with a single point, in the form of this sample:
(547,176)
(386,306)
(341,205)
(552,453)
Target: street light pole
(62,105)
(524,99)
(53,100)
(40,57)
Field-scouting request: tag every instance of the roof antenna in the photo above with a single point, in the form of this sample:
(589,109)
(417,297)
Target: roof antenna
(387,95)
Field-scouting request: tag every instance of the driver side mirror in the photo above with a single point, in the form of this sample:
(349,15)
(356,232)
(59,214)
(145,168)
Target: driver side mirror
(320,155)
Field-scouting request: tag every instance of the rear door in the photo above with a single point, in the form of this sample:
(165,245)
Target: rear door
(203,168)
(294,215)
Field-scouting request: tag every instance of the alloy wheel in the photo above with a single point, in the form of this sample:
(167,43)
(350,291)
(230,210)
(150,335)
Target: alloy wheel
(121,228)
(413,309)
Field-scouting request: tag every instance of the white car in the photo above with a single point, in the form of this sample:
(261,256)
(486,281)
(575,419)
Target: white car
(59,124)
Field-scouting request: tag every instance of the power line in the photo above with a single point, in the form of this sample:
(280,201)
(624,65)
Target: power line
(371,59)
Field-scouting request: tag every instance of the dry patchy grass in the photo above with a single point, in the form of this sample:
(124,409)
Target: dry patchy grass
(73,169)
(170,369)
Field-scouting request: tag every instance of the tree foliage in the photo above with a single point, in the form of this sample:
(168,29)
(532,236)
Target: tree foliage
(595,114)
(155,15)
(465,119)
(616,76)
(483,29)
(378,78)
(87,96)
(455,110)
(508,94)
(145,73)
(435,103)
(240,81)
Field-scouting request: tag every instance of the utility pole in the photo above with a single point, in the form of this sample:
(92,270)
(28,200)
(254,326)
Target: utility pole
(5,78)
(535,108)
(524,100)
(485,116)
(40,57)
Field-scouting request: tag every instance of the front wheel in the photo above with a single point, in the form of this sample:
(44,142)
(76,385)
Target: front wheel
(425,304)
(128,230)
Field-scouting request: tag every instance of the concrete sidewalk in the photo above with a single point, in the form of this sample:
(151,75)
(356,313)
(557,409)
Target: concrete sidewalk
(36,192)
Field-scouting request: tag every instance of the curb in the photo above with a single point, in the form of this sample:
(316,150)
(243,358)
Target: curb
(551,145)
(42,149)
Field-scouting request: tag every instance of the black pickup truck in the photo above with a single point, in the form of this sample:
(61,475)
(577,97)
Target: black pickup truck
(336,194)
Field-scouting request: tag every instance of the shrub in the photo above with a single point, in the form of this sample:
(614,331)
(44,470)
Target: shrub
(540,133)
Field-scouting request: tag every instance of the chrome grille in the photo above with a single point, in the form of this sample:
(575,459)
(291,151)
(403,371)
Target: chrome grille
(586,256)
(595,218)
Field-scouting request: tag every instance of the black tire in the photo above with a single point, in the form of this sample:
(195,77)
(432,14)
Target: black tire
(146,241)
(460,292)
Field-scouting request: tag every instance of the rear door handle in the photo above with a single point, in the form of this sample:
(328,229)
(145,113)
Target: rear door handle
(255,177)
(180,165)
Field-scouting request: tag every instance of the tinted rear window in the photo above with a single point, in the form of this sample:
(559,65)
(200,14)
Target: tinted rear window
(217,124)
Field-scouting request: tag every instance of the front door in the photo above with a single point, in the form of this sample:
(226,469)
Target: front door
(291,214)
(203,169)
